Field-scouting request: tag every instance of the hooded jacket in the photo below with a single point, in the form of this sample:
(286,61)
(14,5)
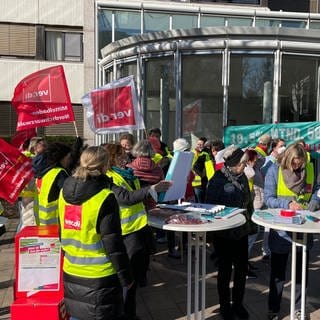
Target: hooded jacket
(94,298)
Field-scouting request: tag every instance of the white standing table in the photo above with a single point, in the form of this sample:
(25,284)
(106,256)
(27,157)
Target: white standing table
(305,228)
(200,230)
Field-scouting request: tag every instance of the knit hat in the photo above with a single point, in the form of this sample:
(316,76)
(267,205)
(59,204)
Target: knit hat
(234,158)
(180,144)
(265,139)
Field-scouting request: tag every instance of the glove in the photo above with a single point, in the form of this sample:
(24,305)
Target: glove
(313,205)
(78,144)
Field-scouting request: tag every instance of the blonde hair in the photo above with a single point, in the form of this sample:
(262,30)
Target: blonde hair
(295,150)
(92,161)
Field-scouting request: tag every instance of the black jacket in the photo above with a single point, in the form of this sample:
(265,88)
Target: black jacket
(94,298)
(221,191)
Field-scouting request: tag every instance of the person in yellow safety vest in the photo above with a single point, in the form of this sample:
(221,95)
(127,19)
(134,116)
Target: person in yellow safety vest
(163,154)
(137,235)
(202,167)
(49,181)
(96,266)
(289,184)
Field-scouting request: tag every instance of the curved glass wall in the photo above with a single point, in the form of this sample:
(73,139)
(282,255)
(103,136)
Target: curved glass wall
(197,81)
(250,89)
(202,95)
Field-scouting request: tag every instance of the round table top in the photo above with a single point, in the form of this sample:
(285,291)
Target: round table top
(306,227)
(216,225)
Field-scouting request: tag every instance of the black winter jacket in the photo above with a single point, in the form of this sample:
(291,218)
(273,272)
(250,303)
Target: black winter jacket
(221,191)
(98,298)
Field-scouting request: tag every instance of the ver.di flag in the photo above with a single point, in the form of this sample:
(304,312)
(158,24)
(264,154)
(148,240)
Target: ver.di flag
(15,172)
(42,99)
(114,107)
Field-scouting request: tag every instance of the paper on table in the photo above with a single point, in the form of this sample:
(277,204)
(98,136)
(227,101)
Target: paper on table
(178,173)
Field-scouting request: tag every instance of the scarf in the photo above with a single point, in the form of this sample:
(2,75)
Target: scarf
(127,173)
(232,178)
(295,180)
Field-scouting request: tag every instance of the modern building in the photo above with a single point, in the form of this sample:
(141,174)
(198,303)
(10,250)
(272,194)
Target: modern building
(37,34)
(199,65)
(202,66)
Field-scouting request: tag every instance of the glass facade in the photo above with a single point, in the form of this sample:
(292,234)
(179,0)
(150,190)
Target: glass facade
(236,71)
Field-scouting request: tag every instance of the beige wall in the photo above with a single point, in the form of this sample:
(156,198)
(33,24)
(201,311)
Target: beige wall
(63,12)
(15,70)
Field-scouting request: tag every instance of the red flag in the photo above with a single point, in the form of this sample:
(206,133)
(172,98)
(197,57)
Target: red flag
(21,136)
(42,99)
(114,107)
(15,172)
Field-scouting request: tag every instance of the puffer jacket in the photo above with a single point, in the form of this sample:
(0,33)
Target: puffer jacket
(221,191)
(98,298)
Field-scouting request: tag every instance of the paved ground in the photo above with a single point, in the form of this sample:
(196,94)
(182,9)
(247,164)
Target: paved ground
(164,298)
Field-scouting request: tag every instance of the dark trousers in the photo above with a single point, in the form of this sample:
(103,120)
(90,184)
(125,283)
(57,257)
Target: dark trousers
(231,253)
(278,277)
(139,265)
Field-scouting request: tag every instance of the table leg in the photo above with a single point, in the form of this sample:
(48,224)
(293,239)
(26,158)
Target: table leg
(303,278)
(203,274)
(196,277)
(293,275)
(189,273)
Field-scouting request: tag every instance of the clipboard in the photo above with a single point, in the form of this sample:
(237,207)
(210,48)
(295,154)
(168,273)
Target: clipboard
(178,172)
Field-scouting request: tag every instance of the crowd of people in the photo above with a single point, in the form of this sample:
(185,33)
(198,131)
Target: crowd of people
(100,196)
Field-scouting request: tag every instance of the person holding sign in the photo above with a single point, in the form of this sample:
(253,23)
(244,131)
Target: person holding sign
(136,233)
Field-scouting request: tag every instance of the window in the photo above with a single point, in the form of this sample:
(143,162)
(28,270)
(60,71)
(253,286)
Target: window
(250,89)
(64,46)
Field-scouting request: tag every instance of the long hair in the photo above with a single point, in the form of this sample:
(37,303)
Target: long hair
(92,161)
(116,155)
(295,150)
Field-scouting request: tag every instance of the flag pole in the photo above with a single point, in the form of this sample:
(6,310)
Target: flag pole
(75,128)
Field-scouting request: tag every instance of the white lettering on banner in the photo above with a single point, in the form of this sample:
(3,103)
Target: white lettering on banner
(39,121)
(3,165)
(102,117)
(50,110)
(286,133)
(36,94)
(313,133)
(70,223)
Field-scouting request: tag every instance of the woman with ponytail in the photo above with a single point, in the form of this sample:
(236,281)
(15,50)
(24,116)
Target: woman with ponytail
(96,266)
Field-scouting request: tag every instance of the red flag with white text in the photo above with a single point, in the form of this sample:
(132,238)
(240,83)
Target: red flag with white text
(15,172)
(114,107)
(42,99)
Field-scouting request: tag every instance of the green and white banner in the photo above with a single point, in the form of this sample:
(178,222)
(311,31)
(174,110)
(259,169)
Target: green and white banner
(244,136)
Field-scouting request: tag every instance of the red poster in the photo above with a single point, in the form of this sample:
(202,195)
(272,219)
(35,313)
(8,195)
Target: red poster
(42,99)
(113,107)
(15,172)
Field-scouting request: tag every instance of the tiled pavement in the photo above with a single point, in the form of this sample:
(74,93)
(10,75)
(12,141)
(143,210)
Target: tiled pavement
(164,298)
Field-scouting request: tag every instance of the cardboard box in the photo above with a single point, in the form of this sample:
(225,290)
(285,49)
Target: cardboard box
(51,308)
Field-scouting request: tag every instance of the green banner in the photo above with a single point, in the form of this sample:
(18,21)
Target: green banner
(244,136)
